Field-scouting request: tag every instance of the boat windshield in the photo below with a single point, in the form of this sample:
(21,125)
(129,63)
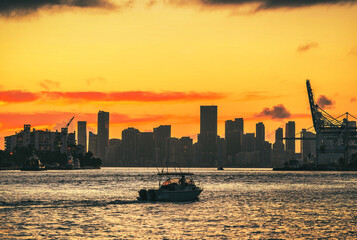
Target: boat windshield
(176,181)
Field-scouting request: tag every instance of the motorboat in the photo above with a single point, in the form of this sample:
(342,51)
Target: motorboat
(176,188)
(33,164)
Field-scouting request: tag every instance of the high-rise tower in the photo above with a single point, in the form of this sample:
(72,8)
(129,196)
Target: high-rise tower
(208,135)
(102,134)
(290,133)
(82,134)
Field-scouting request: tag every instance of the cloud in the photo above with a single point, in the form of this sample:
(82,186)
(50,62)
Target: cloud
(13,8)
(323,102)
(353,100)
(306,47)
(49,84)
(263,4)
(276,112)
(16,96)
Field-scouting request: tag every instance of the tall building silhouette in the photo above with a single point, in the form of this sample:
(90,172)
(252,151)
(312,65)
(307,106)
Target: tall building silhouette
(259,136)
(147,149)
(161,134)
(82,134)
(290,133)
(92,143)
(208,135)
(278,144)
(130,143)
(234,133)
(102,134)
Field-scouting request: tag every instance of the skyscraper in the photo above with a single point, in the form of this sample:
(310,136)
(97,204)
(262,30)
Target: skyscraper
(146,148)
(161,134)
(92,143)
(234,133)
(103,134)
(82,134)
(260,136)
(278,144)
(290,133)
(130,143)
(208,135)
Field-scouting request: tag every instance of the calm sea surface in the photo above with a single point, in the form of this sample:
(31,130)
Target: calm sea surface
(235,203)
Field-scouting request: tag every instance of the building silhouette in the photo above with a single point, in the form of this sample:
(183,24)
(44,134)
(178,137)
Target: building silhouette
(187,151)
(234,131)
(92,143)
(130,143)
(260,136)
(146,149)
(308,146)
(82,134)
(114,152)
(208,135)
(102,135)
(161,134)
(290,133)
(278,144)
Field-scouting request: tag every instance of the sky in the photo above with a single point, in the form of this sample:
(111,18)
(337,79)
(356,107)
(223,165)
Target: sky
(155,62)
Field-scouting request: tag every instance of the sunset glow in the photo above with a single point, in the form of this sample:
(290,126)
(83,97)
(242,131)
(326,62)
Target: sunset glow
(155,62)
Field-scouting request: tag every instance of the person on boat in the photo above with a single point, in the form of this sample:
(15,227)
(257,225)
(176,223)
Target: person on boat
(182,181)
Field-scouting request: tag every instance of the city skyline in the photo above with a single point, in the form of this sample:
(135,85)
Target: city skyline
(158,62)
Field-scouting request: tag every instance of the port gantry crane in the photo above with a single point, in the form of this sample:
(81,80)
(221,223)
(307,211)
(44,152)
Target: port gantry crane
(333,136)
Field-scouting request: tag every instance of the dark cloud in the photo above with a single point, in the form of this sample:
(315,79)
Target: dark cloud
(276,112)
(324,102)
(13,8)
(271,4)
(306,47)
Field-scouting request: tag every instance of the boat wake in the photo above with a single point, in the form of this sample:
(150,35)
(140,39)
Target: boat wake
(65,203)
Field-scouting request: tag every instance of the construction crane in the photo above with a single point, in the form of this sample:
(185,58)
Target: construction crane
(332,135)
(65,129)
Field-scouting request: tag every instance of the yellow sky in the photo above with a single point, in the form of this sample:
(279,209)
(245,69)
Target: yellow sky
(252,59)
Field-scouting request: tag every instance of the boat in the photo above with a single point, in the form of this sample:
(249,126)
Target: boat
(220,168)
(176,188)
(33,164)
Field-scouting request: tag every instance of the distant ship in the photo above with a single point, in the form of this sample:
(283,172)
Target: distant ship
(33,164)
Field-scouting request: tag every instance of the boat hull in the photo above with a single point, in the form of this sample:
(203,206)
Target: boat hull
(169,196)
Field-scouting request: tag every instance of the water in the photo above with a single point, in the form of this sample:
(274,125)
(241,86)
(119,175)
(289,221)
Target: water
(235,203)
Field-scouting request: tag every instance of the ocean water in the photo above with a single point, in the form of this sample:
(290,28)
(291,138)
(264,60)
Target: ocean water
(235,204)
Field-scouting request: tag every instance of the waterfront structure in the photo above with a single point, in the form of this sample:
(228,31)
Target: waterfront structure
(208,135)
(82,134)
(308,146)
(102,135)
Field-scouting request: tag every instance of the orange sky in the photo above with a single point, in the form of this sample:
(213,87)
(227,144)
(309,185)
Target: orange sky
(155,62)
